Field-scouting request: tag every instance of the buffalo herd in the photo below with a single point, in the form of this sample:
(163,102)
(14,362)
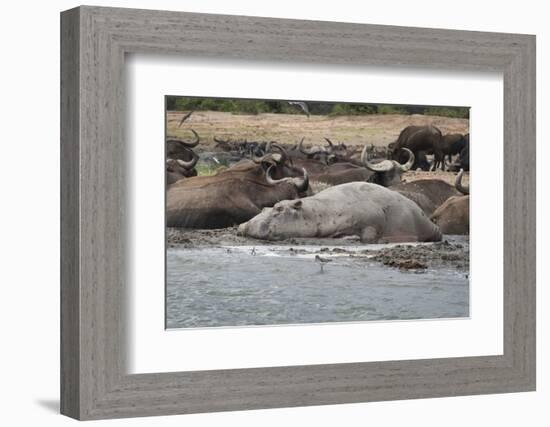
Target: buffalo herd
(267,192)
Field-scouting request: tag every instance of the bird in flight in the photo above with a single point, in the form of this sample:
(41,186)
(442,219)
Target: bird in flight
(302,105)
(185,117)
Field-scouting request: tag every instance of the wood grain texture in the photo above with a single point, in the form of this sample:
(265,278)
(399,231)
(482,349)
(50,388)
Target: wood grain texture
(70,262)
(94,202)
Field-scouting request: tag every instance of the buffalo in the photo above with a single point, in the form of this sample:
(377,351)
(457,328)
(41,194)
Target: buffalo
(464,156)
(387,172)
(181,149)
(463,159)
(323,153)
(177,169)
(243,148)
(453,216)
(452,144)
(426,139)
(383,172)
(180,158)
(234,195)
(333,174)
(317,166)
(429,194)
(374,213)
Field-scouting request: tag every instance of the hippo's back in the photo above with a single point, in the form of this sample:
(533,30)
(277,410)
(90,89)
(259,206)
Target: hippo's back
(358,192)
(403,218)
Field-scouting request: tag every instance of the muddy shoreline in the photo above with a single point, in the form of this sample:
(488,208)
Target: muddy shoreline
(453,252)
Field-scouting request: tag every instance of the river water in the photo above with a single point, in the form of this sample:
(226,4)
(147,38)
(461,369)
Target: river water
(268,285)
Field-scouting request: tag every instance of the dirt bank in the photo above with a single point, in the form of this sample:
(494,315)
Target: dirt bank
(377,129)
(229,237)
(448,177)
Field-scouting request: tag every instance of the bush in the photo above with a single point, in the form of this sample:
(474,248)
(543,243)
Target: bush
(392,109)
(456,112)
(352,109)
(255,106)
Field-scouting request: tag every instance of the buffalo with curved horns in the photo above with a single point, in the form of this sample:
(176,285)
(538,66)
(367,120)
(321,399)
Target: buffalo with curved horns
(387,172)
(425,139)
(181,159)
(177,169)
(179,148)
(234,195)
(384,172)
(317,152)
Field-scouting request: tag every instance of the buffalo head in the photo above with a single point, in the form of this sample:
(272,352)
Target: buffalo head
(387,172)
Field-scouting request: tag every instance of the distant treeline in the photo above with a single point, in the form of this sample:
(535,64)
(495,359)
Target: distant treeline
(253,106)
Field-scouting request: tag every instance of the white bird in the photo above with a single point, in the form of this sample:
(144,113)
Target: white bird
(302,105)
(322,261)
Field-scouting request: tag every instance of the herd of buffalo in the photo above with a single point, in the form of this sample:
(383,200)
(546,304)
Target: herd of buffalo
(267,192)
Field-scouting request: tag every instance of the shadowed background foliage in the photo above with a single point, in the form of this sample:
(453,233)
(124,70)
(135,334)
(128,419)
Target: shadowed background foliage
(256,106)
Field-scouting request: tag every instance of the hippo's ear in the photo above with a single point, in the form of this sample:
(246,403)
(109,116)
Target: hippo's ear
(297,204)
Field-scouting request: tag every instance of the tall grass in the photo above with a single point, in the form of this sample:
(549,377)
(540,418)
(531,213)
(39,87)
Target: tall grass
(208,169)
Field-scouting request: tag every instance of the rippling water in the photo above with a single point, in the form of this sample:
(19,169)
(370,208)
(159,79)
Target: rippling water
(229,286)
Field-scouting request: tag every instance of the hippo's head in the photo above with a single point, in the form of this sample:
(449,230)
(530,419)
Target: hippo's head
(286,218)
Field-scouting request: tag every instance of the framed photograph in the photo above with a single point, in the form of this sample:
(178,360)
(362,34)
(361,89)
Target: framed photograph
(262,213)
(320,233)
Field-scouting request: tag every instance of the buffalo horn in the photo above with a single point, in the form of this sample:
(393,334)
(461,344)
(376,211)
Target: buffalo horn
(330,145)
(258,159)
(190,144)
(190,164)
(281,149)
(308,152)
(301,184)
(271,158)
(383,166)
(407,166)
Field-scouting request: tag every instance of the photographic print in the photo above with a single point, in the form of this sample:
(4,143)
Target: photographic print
(287,212)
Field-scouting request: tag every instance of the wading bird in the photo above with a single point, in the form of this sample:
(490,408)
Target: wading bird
(322,261)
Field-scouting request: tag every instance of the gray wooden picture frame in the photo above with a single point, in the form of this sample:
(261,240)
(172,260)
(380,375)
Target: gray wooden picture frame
(94,382)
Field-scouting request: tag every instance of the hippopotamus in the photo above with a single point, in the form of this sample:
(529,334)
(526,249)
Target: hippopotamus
(370,211)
